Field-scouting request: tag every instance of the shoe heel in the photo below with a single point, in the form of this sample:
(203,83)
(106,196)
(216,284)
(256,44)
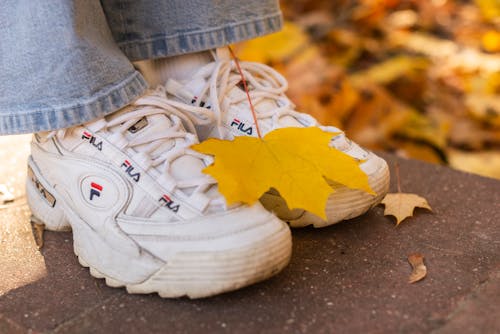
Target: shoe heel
(42,201)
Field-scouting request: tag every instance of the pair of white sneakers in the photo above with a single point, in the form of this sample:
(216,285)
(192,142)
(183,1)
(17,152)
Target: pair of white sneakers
(143,214)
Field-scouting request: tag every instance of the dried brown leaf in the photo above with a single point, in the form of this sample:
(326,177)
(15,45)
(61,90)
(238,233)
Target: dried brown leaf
(401,205)
(419,269)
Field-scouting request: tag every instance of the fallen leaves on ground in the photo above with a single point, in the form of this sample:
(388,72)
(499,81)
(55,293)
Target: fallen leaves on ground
(419,269)
(417,78)
(297,162)
(402,205)
(483,163)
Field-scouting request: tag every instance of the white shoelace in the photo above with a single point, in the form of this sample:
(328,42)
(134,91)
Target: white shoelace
(149,147)
(265,84)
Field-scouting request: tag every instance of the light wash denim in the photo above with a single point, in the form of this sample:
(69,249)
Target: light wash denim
(66,62)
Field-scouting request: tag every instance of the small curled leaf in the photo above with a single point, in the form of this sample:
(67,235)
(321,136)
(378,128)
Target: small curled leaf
(419,269)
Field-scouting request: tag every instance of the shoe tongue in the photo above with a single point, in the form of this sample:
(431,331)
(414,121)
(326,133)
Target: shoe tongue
(151,126)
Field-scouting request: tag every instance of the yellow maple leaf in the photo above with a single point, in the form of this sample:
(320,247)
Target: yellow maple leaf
(295,161)
(401,205)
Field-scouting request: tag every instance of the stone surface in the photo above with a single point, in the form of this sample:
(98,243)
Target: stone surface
(479,312)
(347,278)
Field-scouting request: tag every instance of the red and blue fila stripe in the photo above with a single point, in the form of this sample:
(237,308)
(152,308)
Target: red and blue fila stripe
(86,135)
(95,190)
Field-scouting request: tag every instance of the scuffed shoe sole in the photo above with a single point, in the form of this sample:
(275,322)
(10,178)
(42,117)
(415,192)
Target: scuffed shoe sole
(343,204)
(204,275)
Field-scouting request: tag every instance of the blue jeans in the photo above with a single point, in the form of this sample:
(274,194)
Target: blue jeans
(66,62)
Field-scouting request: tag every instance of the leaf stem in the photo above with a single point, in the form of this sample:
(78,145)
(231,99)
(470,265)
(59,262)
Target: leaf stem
(397,176)
(252,109)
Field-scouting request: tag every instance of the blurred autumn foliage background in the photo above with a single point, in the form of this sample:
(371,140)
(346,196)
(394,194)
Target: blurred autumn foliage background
(417,78)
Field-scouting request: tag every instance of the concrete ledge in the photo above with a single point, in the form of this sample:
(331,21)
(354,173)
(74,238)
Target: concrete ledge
(347,278)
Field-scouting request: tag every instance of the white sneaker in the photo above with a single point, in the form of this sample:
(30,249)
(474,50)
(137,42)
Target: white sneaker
(143,214)
(215,99)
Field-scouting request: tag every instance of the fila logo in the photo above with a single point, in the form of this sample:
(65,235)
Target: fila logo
(92,140)
(236,123)
(202,103)
(95,190)
(129,169)
(167,201)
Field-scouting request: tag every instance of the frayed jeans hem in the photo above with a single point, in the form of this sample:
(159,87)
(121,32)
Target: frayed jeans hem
(172,45)
(107,100)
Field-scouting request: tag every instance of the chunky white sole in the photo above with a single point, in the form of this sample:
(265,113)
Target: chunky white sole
(192,274)
(343,204)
